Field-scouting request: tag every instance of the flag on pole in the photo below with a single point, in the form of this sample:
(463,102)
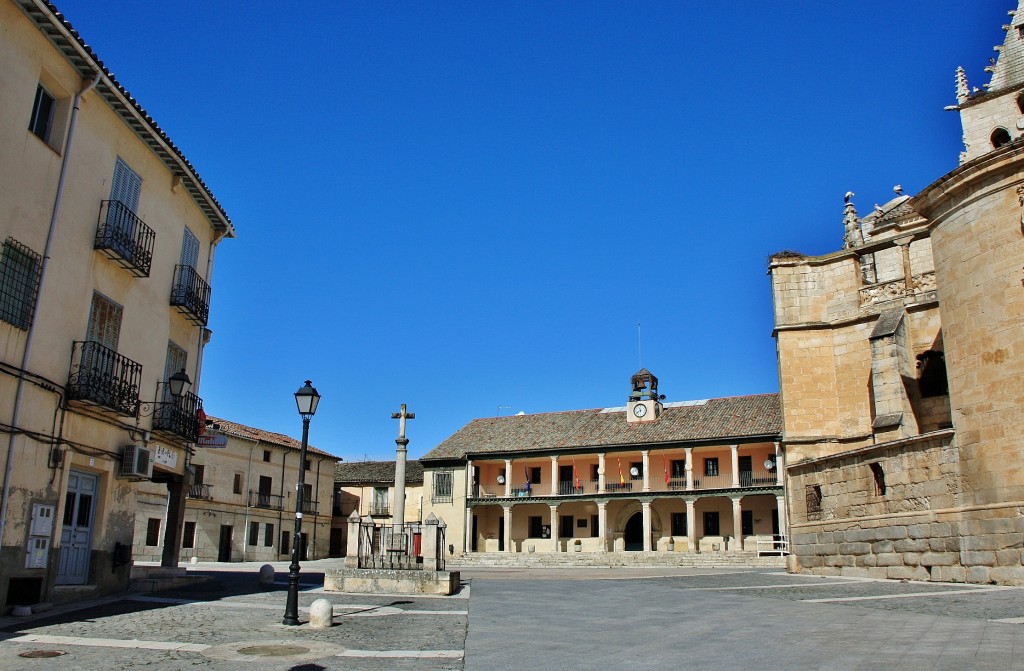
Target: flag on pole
(527,471)
(664,466)
(622,480)
(575,473)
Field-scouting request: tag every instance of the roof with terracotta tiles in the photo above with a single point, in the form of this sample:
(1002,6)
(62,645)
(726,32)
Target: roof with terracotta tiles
(236,430)
(382,472)
(713,420)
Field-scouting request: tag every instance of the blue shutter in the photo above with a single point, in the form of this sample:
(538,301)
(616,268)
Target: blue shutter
(189,250)
(126,185)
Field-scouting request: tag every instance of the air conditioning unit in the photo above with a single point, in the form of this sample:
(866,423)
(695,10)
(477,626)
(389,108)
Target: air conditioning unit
(137,463)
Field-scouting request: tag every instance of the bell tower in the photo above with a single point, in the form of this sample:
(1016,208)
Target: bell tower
(644,402)
(994,117)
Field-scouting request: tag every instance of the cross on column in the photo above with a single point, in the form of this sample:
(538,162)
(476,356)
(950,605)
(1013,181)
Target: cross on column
(398,515)
(401,417)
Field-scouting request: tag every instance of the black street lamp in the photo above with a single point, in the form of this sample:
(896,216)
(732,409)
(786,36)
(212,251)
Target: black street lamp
(306,399)
(178,383)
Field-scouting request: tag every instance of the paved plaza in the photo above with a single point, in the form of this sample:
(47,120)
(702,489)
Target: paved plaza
(572,618)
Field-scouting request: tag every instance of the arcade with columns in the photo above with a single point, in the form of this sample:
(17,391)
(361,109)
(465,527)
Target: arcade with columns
(694,476)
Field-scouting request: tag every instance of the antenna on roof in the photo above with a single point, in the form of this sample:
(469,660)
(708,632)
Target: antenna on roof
(639,353)
(500,407)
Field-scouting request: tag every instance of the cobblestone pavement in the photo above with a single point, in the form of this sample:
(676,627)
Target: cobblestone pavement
(578,618)
(232,622)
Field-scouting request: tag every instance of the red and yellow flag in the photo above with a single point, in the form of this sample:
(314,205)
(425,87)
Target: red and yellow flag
(664,466)
(622,480)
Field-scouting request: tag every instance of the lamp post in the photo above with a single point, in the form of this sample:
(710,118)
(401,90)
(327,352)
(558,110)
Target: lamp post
(306,399)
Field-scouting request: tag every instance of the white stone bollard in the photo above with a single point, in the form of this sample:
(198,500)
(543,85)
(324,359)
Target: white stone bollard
(266,574)
(321,614)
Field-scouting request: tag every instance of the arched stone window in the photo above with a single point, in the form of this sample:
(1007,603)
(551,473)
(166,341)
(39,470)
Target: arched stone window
(1000,137)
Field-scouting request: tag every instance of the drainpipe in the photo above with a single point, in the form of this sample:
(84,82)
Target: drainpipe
(204,333)
(50,234)
(245,492)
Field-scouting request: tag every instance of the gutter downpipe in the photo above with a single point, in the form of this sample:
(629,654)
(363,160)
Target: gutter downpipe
(245,525)
(5,498)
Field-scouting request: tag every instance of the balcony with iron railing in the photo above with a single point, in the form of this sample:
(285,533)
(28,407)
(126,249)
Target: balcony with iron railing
(613,485)
(380,510)
(200,492)
(100,376)
(125,238)
(310,507)
(179,417)
(268,501)
(191,295)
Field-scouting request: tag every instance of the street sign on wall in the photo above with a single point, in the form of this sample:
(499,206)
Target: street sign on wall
(212,441)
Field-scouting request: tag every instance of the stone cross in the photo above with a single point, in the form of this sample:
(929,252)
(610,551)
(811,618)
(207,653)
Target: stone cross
(398,517)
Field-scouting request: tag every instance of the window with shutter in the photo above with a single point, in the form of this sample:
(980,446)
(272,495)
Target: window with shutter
(189,250)
(104,322)
(126,186)
(177,358)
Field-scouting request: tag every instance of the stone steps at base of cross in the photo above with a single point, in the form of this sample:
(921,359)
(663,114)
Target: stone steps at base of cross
(616,559)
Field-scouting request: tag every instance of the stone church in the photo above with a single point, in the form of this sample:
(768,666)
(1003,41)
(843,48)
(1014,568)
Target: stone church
(901,365)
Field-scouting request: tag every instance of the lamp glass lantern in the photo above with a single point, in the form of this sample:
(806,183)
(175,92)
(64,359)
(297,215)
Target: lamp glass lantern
(306,399)
(179,383)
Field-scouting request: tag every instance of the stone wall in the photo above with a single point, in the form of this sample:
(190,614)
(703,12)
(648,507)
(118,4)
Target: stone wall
(914,530)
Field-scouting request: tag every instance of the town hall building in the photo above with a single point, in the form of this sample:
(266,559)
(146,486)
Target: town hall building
(647,476)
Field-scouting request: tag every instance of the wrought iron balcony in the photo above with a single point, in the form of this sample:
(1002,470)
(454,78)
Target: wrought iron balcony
(380,509)
(191,295)
(125,238)
(200,492)
(310,507)
(268,501)
(180,417)
(101,376)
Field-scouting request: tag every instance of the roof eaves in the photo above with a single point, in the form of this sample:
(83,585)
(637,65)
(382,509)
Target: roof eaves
(70,44)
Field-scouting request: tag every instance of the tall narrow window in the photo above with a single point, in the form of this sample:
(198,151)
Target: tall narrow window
(931,374)
(41,122)
(177,359)
(19,282)
(254,533)
(126,186)
(711,466)
(711,523)
(268,536)
(678,524)
(104,322)
(153,532)
(237,485)
(189,249)
(188,535)
(813,497)
(879,476)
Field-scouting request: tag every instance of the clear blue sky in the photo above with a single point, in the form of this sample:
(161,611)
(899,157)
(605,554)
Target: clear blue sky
(467,207)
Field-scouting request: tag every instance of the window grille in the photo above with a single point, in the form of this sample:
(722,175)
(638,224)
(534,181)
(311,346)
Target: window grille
(442,490)
(19,283)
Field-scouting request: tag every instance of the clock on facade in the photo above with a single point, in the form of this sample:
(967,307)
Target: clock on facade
(639,410)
